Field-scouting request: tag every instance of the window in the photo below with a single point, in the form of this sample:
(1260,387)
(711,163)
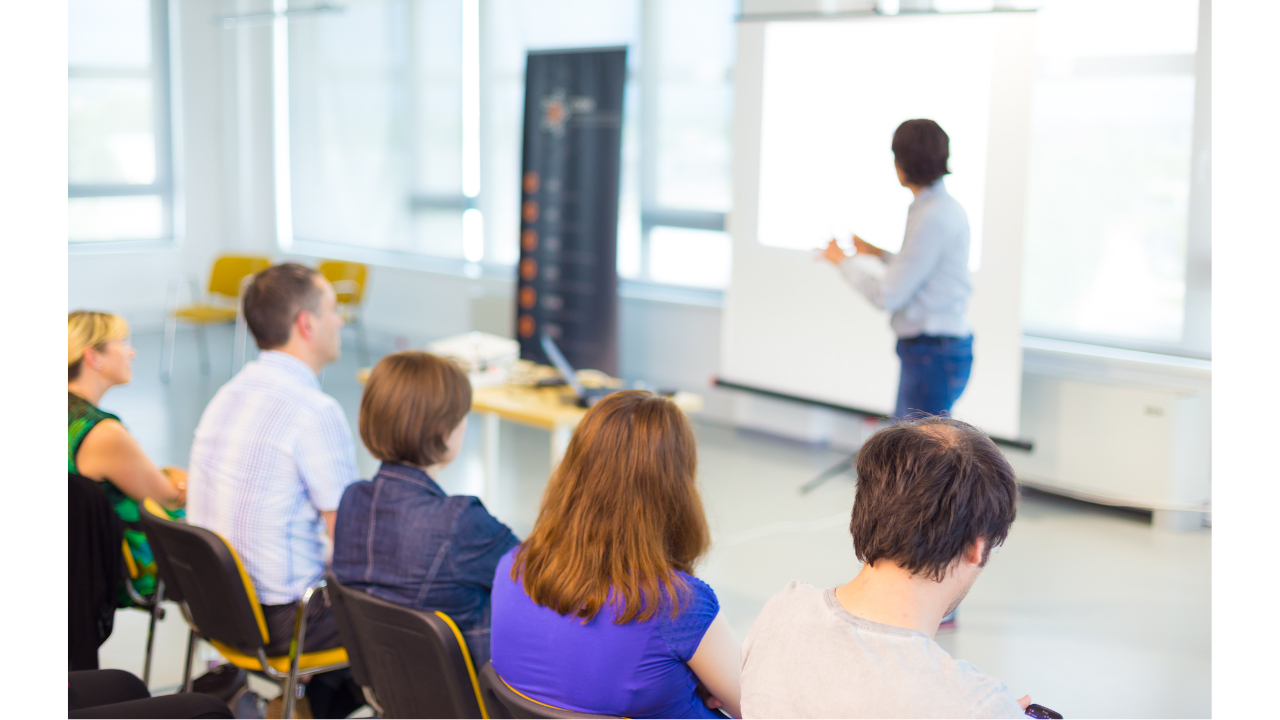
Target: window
(119,170)
(1117,247)
(686,144)
(405,123)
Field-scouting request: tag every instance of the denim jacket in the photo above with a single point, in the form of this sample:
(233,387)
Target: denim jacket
(399,537)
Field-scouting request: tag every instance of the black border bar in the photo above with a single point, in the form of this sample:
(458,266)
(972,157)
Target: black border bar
(1026,445)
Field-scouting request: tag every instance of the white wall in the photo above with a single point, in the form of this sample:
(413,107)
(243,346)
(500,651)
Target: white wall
(224,144)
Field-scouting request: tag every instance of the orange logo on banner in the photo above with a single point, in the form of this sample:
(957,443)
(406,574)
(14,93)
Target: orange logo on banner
(528,268)
(529,240)
(527,326)
(531,182)
(528,297)
(529,211)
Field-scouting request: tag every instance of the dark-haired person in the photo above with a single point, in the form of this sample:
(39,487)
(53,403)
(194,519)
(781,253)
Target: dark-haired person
(399,536)
(271,458)
(925,285)
(598,610)
(934,498)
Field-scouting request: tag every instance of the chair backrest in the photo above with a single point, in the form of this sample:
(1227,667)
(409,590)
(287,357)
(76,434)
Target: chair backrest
(348,279)
(95,566)
(347,630)
(417,661)
(229,270)
(504,702)
(210,578)
(163,569)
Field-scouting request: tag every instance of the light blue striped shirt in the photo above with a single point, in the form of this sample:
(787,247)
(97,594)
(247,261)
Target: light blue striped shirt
(926,284)
(271,452)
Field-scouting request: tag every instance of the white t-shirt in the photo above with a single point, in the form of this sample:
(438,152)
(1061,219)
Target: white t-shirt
(808,657)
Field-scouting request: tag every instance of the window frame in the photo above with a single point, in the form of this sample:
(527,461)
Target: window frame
(653,214)
(162,116)
(1196,340)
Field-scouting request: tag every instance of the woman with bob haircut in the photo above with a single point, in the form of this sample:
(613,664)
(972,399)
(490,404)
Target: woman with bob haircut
(398,536)
(99,357)
(598,611)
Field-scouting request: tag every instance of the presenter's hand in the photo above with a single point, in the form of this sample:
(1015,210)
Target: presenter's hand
(866,248)
(1025,701)
(833,253)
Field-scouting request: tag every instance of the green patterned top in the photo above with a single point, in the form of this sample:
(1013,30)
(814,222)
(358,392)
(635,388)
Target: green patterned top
(83,416)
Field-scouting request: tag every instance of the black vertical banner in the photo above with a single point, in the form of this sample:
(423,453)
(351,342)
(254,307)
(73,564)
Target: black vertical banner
(568,279)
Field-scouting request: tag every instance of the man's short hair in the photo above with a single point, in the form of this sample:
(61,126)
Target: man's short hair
(927,489)
(412,401)
(274,299)
(921,149)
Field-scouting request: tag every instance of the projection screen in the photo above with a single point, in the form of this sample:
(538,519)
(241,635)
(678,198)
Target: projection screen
(817,103)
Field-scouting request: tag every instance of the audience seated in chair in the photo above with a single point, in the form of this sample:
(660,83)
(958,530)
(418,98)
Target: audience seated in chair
(598,611)
(271,457)
(99,357)
(399,536)
(934,498)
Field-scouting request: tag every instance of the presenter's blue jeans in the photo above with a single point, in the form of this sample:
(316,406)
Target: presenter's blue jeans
(935,371)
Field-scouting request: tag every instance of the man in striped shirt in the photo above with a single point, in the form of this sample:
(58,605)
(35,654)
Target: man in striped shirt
(271,458)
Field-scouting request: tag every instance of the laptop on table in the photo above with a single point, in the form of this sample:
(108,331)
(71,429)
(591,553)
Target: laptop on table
(586,396)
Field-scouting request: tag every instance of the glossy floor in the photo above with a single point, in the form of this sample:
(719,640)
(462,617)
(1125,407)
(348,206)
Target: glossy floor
(1090,610)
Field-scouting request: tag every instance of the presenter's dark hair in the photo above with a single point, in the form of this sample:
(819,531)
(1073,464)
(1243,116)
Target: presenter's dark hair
(274,299)
(927,489)
(921,148)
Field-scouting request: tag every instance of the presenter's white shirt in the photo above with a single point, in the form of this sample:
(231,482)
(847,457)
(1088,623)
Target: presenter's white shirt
(808,657)
(926,284)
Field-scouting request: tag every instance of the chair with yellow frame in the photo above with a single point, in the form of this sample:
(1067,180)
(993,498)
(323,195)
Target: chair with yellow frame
(220,306)
(349,282)
(220,603)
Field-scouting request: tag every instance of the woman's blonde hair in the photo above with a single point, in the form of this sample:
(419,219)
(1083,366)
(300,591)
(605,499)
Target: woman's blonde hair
(88,329)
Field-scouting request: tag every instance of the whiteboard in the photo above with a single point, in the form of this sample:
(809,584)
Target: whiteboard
(817,103)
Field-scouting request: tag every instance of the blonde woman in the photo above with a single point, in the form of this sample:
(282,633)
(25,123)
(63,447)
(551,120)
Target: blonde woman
(100,357)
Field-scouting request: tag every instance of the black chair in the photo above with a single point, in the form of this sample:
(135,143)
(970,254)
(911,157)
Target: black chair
(505,701)
(417,661)
(351,641)
(95,534)
(218,599)
(118,694)
(149,604)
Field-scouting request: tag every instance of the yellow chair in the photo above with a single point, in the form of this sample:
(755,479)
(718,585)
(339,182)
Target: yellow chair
(349,282)
(204,574)
(219,307)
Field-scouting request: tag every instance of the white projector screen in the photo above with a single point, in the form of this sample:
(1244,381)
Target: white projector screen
(817,104)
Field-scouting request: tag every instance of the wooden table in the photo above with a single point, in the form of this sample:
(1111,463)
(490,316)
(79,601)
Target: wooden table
(549,408)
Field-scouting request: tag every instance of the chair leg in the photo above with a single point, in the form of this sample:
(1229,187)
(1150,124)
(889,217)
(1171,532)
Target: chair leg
(167,347)
(187,680)
(157,613)
(363,343)
(204,349)
(240,346)
(291,688)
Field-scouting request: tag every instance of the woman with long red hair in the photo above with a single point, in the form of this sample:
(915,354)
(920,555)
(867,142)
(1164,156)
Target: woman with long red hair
(599,611)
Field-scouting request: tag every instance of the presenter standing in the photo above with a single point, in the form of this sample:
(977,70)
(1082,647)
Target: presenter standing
(925,286)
